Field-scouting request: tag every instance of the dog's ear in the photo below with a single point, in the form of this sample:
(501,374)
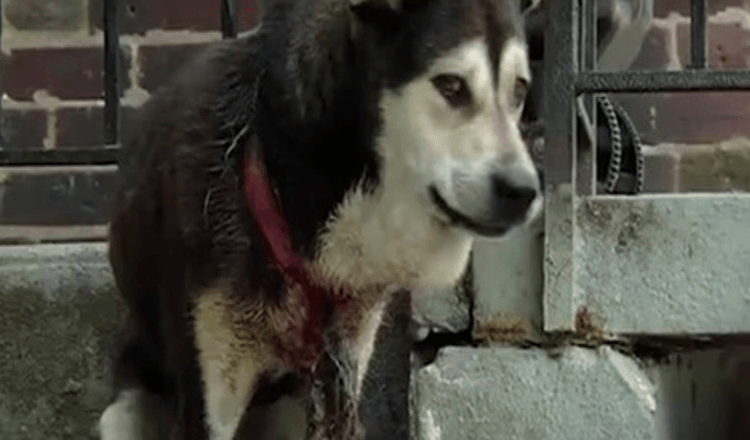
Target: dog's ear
(381,15)
(375,4)
(382,12)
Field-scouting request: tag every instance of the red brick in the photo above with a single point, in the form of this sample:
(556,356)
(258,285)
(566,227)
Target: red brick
(663,8)
(45,15)
(139,16)
(58,196)
(704,117)
(728,45)
(79,127)
(160,63)
(67,73)
(639,109)
(24,129)
(132,16)
(84,127)
(654,54)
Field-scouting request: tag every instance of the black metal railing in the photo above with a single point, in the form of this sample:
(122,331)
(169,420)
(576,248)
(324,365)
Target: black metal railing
(106,154)
(570,72)
(570,76)
(112,85)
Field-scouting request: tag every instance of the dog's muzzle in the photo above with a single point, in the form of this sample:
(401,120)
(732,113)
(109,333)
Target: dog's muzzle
(510,199)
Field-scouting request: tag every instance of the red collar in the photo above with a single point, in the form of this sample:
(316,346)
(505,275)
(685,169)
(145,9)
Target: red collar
(264,208)
(304,341)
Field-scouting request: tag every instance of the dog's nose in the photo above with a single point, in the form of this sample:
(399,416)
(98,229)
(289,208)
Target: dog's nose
(514,195)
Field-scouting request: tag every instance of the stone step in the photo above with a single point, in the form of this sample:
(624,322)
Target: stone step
(516,394)
(58,320)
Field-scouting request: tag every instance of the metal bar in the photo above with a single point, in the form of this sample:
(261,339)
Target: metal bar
(586,163)
(654,82)
(589,48)
(229,18)
(560,66)
(2,119)
(698,36)
(111,73)
(67,156)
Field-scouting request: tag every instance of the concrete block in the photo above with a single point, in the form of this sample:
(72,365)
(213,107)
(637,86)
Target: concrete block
(558,267)
(510,393)
(58,320)
(508,275)
(440,311)
(671,265)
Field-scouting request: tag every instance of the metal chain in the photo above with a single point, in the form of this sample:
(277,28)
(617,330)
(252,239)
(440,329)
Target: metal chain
(615,136)
(640,171)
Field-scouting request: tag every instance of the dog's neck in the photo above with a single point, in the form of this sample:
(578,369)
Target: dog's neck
(374,239)
(385,238)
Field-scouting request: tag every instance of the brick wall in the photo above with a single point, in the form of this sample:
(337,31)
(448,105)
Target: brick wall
(685,129)
(53,61)
(52,55)
(53,83)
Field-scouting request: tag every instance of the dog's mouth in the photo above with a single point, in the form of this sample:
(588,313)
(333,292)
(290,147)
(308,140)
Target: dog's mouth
(461,220)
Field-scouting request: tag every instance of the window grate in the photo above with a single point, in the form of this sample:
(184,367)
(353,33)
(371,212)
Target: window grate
(109,153)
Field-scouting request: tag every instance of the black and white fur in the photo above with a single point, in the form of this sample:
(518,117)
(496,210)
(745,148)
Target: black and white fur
(389,130)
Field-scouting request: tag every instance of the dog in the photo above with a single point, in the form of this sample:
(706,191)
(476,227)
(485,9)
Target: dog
(283,184)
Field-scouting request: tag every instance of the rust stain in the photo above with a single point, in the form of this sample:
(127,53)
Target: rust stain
(503,328)
(589,325)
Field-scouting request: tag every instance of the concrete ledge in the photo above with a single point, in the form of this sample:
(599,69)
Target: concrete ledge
(508,287)
(59,319)
(509,393)
(58,322)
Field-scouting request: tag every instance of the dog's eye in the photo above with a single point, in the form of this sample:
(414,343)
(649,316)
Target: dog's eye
(520,90)
(454,89)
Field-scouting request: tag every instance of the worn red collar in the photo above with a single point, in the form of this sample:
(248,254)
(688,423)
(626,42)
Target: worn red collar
(314,299)
(264,207)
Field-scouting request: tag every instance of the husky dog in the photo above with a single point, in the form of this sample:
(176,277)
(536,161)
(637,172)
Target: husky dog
(281,186)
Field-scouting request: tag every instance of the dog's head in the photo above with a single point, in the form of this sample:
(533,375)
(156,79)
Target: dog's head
(455,76)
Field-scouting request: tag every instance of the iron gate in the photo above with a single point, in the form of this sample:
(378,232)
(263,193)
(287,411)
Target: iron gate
(608,252)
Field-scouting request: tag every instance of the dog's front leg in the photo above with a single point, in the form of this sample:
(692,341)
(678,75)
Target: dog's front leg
(339,379)
(231,361)
(362,339)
